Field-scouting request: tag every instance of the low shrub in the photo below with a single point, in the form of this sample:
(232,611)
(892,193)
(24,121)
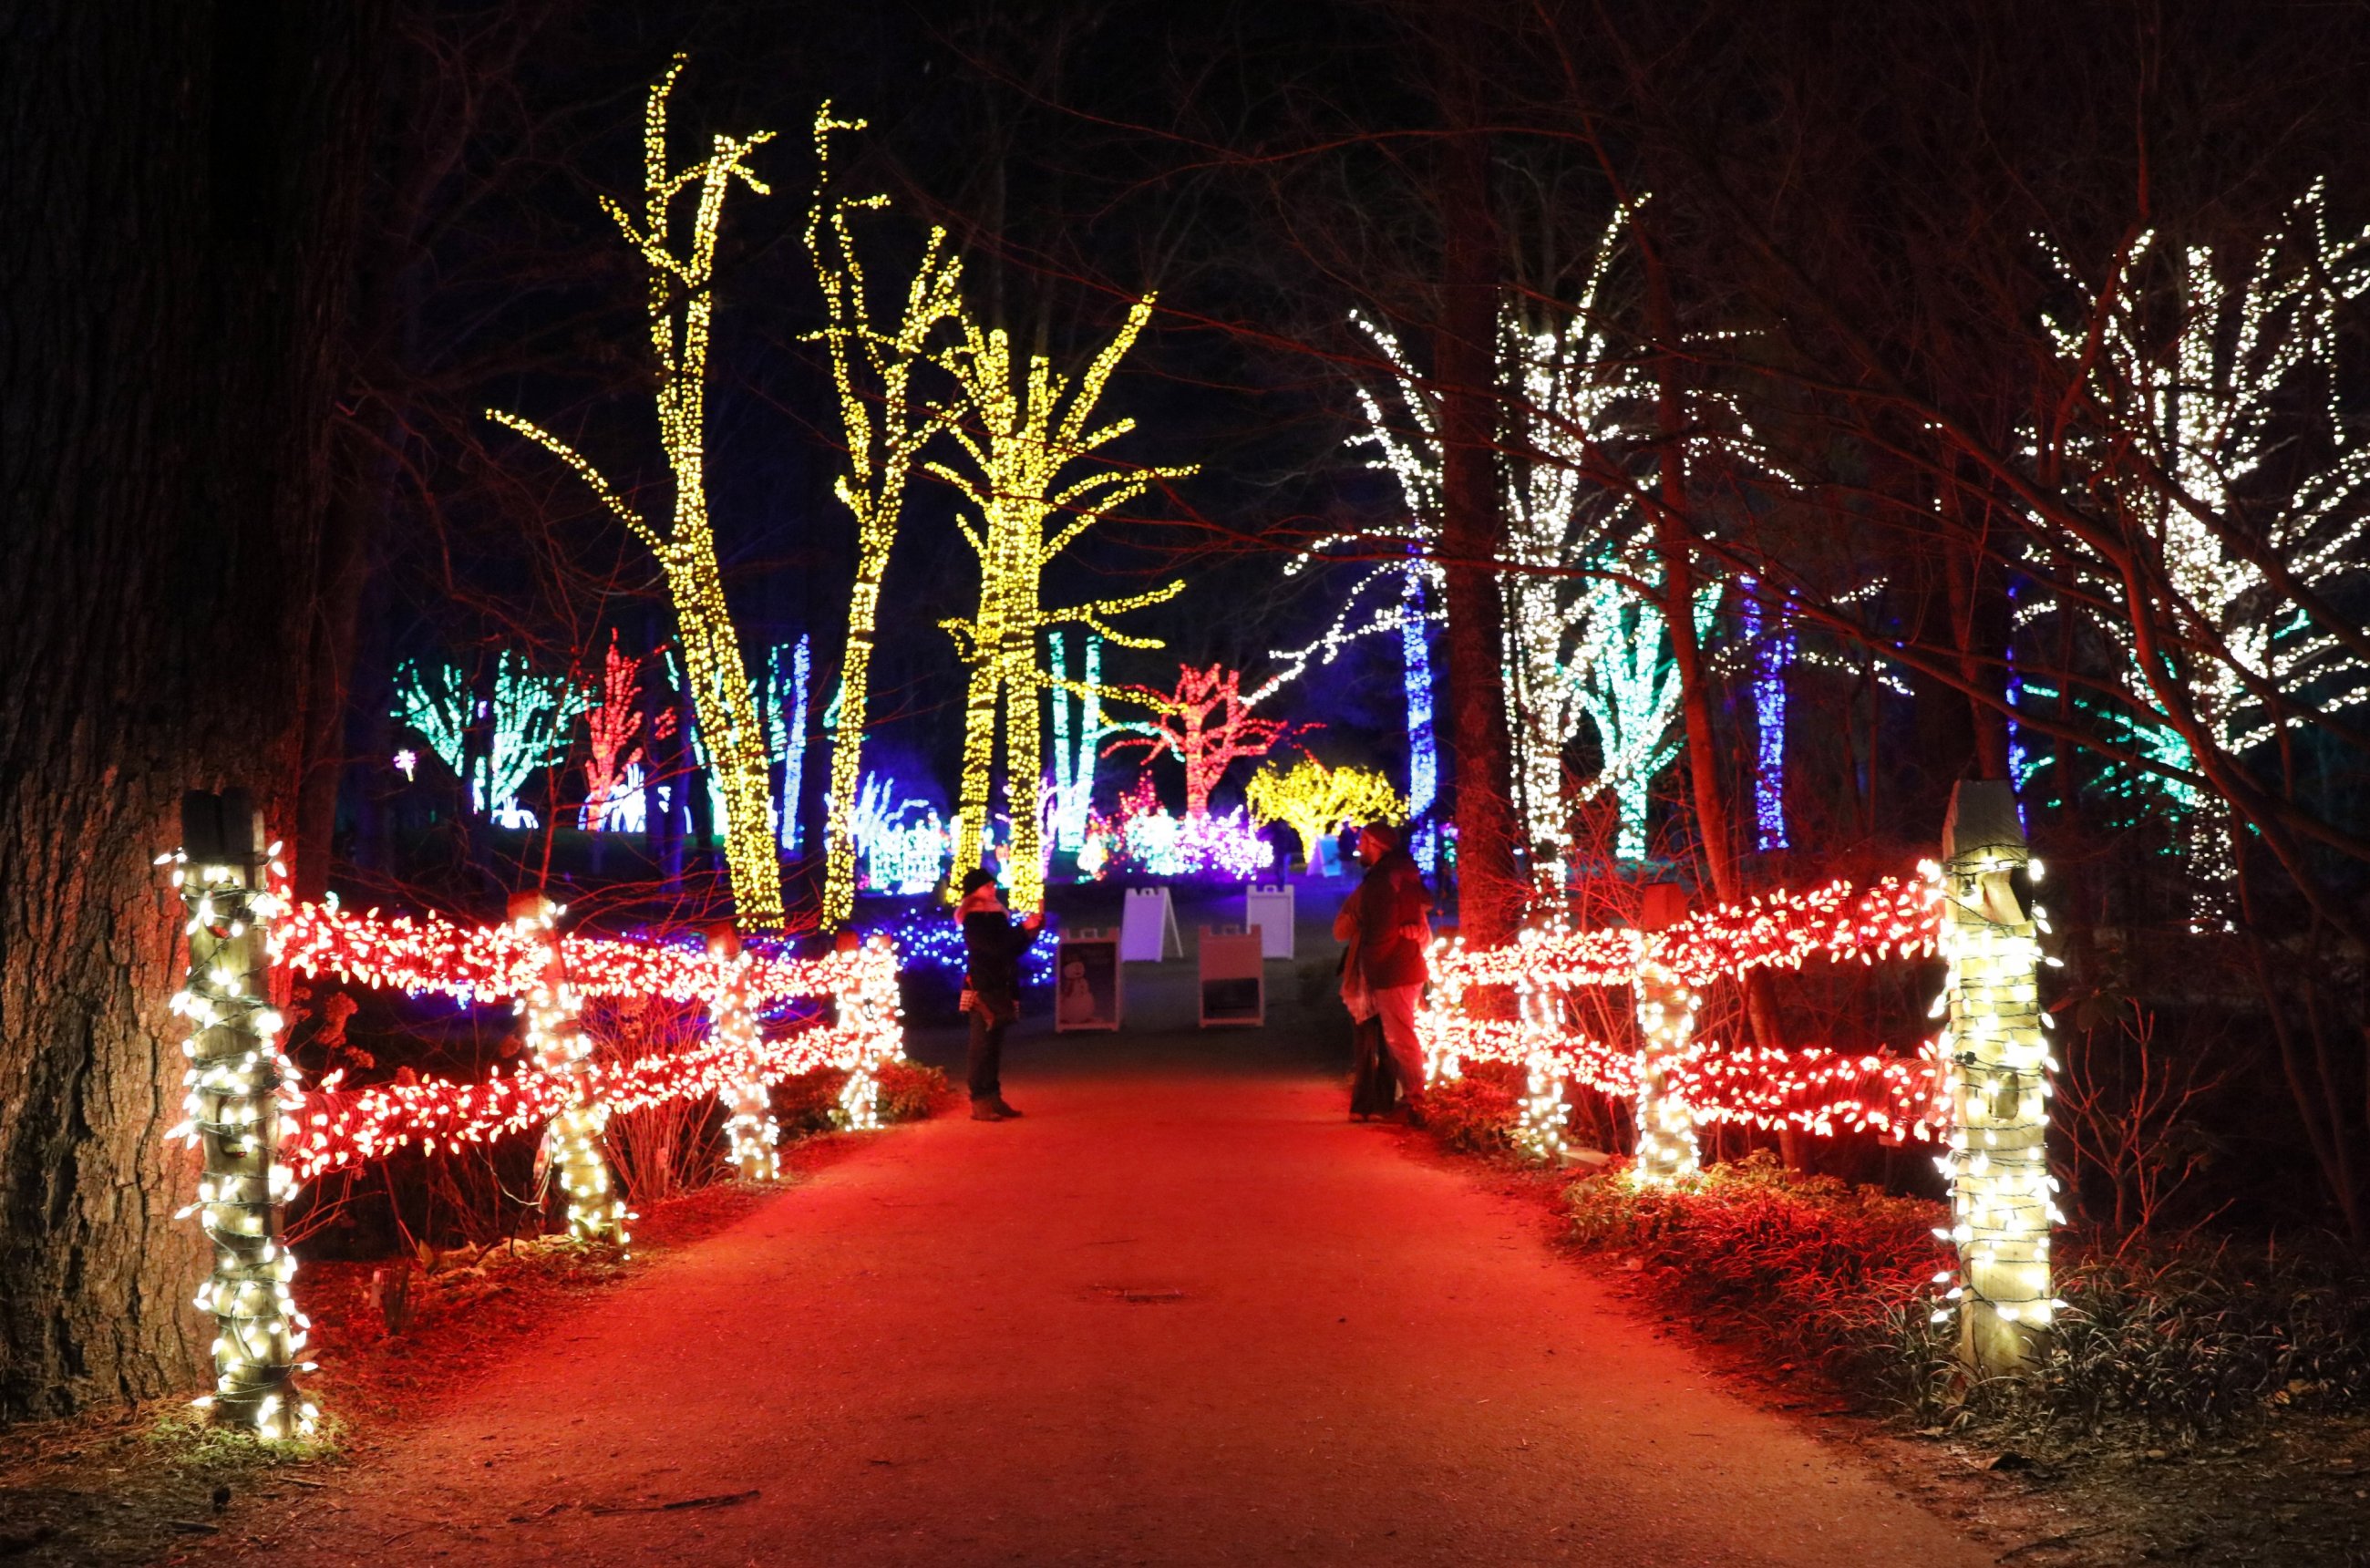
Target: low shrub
(2187,1341)
(1824,1271)
(1474,1113)
(911,1091)
(2180,1344)
(809,1104)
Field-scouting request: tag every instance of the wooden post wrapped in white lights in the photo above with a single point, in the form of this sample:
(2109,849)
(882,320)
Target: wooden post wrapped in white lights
(860,1097)
(561,1049)
(750,1129)
(1999,1063)
(1541,1118)
(1666,1024)
(235,1076)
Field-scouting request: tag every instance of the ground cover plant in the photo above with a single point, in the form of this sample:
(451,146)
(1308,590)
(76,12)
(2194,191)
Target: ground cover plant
(2174,1344)
(1474,1113)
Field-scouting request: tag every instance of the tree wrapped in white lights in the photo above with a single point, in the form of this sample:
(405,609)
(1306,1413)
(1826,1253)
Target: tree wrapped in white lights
(681,302)
(1666,1006)
(1401,584)
(1568,385)
(1023,427)
(885,430)
(2221,585)
(1566,388)
(753,1138)
(237,1075)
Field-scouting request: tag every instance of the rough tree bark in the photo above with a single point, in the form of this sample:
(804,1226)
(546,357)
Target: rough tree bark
(1490,895)
(1979,627)
(180,194)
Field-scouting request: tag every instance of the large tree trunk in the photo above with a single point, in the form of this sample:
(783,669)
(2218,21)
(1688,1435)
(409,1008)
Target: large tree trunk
(180,189)
(1675,541)
(1490,896)
(1979,628)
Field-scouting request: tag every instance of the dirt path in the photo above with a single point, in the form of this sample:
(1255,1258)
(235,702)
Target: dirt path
(1182,1313)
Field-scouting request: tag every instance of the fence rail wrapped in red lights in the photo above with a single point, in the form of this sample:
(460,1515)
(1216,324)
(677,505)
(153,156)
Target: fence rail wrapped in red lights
(331,1128)
(265,1135)
(1677,1080)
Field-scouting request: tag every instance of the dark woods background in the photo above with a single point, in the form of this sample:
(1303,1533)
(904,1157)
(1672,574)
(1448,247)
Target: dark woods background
(266,265)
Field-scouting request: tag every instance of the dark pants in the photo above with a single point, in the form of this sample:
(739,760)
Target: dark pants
(987,1055)
(1373,1077)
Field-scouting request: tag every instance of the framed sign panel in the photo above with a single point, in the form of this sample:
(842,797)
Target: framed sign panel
(1268,911)
(1089,985)
(1233,979)
(1148,927)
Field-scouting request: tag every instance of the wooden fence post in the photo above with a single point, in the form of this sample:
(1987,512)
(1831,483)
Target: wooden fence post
(1998,1061)
(236,1072)
(558,1042)
(1666,1024)
(860,1097)
(750,1129)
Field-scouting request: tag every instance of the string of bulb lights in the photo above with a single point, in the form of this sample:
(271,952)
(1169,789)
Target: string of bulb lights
(681,304)
(341,1129)
(240,1087)
(1679,1081)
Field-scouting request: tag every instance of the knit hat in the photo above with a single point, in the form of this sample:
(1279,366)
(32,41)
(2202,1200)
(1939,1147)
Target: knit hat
(976,877)
(1381,833)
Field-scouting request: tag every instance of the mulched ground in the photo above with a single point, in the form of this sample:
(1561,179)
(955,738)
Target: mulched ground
(2285,1490)
(145,1483)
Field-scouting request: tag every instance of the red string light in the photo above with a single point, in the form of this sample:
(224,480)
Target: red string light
(332,1129)
(1815,1089)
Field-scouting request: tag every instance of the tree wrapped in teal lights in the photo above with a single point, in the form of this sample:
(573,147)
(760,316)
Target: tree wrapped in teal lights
(525,720)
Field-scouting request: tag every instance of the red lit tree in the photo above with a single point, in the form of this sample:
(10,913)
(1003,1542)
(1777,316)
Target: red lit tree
(612,723)
(1206,725)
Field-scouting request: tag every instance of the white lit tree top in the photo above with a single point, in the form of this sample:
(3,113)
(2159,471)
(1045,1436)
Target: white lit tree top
(2216,589)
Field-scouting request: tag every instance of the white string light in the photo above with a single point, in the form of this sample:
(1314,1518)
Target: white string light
(239,1083)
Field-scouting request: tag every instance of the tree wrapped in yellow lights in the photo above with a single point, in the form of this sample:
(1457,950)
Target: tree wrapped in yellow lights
(1021,426)
(681,304)
(885,432)
(1315,801)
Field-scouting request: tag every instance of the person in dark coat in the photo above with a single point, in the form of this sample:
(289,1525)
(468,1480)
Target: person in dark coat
(1387,924)
(992,949)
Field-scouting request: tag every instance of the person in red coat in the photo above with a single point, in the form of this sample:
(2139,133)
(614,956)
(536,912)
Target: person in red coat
(1386,923)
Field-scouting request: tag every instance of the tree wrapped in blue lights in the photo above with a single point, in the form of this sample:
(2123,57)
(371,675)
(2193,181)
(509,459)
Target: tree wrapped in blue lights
(1766,635)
